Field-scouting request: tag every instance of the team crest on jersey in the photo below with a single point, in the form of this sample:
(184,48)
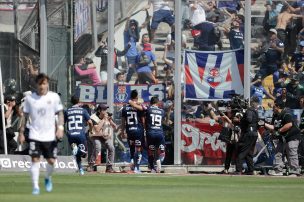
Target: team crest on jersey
(214,78)
(49,102)
(121,94)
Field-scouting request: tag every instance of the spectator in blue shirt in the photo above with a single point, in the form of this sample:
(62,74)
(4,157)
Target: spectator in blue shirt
(143,69)
(258,90)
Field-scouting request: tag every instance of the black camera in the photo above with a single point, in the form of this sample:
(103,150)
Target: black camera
(238,103)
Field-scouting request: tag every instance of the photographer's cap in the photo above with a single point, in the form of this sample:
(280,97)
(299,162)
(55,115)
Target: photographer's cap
(102,107)
(272,30)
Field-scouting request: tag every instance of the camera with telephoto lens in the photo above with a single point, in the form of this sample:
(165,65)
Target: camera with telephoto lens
(237,104)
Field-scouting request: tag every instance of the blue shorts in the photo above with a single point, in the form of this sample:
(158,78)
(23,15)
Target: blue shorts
(137,137)
(155,139)
(79,140)
(131,60)
(162,16)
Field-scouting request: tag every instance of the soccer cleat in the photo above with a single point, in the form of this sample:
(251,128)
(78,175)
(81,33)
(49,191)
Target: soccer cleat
(225,171)
(153,170)
(36,191)
(48,184)
(275,173)
(158,166)
(132,166)
(137,171)
(81,171)
(74,149)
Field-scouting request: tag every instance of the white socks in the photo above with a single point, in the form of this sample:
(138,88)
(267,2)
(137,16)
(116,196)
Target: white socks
(49,170)
(35,174)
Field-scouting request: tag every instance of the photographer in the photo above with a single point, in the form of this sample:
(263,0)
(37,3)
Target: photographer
(230,124)
(249,135)
(103,135)
(288,134)
(9,111)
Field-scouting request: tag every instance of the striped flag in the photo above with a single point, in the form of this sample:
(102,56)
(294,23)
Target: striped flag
(213,75)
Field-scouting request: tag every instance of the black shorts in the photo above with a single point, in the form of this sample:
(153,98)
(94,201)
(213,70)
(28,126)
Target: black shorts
(47,149)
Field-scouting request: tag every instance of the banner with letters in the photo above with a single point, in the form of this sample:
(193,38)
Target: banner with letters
(23,163)
(98,94)
(200,144)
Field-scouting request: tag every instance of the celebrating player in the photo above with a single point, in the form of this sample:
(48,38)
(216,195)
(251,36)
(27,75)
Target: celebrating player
(132,122)
(76,118)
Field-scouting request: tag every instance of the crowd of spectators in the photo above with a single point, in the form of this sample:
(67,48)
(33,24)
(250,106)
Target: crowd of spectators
(208,25)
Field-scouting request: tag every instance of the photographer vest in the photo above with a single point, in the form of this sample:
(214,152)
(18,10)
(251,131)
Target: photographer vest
(252,125)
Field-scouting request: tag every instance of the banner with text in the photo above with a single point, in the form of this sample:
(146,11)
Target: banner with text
(23,163)
(98,94)
(200,144)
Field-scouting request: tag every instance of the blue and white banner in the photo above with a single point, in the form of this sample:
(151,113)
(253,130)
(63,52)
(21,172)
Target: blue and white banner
(213,75)
(98,94)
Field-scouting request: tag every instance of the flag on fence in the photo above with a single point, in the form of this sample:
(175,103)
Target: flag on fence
(213,75)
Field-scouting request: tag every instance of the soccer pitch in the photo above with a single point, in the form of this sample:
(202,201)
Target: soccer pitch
(16,187)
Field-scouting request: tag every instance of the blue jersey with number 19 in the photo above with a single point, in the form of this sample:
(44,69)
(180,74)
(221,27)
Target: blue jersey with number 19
(76,117)
(154,119)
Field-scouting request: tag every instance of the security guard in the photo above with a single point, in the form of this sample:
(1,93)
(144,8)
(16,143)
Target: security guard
(249,135)
(288,134)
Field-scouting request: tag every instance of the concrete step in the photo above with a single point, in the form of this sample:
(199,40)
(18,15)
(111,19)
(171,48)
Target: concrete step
(169,169)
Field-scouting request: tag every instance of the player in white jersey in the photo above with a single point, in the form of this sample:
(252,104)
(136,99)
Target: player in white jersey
(42,107)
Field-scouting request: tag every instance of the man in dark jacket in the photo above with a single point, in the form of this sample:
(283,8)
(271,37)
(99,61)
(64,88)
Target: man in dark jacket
(288,134)
(249,135)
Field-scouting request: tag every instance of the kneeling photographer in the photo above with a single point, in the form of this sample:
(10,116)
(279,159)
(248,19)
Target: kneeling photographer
(249,135)
(286,139)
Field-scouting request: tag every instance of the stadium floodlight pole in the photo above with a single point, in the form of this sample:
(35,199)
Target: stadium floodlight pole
(110,76)
(247,52)
(2,112)
(177,83)
(43,36)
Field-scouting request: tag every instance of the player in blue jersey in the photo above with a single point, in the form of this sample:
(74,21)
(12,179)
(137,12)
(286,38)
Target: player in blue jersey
(155,135)
(76,119)
(154,117)
(132,122)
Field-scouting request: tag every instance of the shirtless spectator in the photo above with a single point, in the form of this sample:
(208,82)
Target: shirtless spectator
(297,7)
(283,19)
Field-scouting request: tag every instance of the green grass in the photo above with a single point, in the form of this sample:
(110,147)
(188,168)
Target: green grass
(154,188)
